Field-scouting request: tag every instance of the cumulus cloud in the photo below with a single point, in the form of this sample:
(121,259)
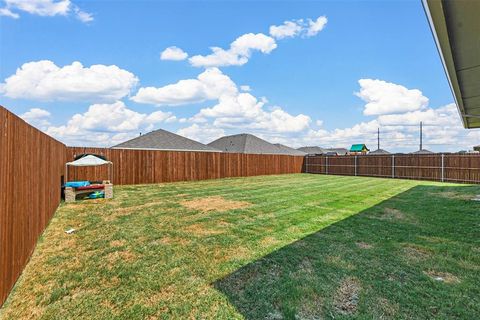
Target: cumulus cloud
(386,98)
(173,53)
(293,28)
(247,111)
(315,26)
(44,8)
(43,80)
(37,117)
(288,29)
(239,52)
(8,13)
(204,134)
(209,85)
(107,124)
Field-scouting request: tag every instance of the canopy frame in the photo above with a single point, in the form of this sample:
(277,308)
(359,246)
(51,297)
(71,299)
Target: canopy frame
(105,162)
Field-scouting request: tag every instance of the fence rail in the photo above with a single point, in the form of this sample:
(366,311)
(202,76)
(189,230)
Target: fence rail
(154,166)
(464,168)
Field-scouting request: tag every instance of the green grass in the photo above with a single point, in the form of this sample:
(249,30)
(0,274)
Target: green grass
(304,247)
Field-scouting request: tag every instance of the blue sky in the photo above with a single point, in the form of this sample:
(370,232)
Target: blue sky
(304,84)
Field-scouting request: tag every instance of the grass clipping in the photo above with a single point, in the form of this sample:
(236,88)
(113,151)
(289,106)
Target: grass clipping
(214,203)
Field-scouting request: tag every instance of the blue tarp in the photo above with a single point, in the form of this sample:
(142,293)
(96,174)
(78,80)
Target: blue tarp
(76,184)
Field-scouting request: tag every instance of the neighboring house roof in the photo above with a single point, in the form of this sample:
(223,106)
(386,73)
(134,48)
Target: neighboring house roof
(455,28)
(338,151)
(423,151)
(379,151)
(312,150)
(358,148)
(290,151)
(245,143)
(164,140)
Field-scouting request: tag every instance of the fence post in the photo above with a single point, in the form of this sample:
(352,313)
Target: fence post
(393,166)
(355,165)
(443,167)
(326,165)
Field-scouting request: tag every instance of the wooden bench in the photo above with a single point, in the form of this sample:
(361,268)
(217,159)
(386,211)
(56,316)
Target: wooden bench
(71,193)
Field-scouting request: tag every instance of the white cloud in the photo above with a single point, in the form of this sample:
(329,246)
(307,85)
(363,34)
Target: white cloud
(173,53)
(245,88)
(204,134)
(209,85)
(37,117)
(8,13)
(107,124)
(43,80)
(316,26)
(288,29)
(386,98)
(239,52)
(82,15)
(294,28)
(44,8)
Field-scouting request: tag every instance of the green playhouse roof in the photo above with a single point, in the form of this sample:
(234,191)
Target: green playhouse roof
(358,148)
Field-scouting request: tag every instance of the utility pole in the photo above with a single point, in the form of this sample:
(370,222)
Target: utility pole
(378,139)
(421,135)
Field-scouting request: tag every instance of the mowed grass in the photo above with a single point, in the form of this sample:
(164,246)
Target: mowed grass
(270,247)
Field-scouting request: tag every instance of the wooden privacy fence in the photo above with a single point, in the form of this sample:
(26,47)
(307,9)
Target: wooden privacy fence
(463,168)
(31,169)
(154,166)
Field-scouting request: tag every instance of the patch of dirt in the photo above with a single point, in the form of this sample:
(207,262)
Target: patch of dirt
(442,276)
(364,245)
(416,253)
(214,203)
(310,309)
(347,295)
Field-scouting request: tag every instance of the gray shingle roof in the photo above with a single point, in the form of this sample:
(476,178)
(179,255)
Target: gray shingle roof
(423,151)
(290,151)
(164,140)
(379,152)
(245,143)
(339,151)
(312,150)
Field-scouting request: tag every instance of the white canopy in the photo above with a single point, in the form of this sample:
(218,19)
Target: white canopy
(89,160)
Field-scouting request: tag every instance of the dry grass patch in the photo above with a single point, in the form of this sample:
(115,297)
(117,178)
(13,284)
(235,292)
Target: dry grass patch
(364,245)
(385,309)
(310,308)
(117,243)
(392,214)
(214,203)
(347,295)
(126,256)
(442,276)
(415,253)
(199,229)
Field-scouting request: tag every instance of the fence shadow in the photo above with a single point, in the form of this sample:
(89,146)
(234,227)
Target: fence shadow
(379,263)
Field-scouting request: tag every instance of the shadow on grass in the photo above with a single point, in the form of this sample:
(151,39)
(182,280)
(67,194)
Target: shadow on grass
(415,255)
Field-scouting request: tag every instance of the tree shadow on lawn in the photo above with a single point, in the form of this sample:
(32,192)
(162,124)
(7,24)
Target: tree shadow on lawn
(415,255)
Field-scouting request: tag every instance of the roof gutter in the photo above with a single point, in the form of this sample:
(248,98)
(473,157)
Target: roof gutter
(438,26)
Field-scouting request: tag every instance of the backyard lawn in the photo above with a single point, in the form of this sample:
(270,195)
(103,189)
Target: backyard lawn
(271,247)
